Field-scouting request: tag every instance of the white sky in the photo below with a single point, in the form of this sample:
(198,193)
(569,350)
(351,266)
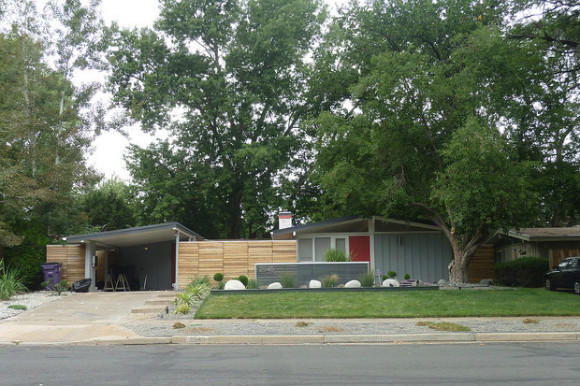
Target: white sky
(109,148)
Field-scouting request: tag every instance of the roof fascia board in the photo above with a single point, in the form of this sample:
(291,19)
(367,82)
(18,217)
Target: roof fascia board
(129,231)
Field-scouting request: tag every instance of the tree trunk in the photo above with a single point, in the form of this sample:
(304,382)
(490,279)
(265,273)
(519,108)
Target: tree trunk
(459,265)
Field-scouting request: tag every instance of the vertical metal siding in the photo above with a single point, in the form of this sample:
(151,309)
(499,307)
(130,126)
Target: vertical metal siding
(423,256)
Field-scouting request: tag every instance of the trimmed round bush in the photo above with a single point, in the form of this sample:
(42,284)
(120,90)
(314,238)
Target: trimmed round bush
(243,279)
(218,276)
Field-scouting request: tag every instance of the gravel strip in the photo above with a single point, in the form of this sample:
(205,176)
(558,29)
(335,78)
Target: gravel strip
(30,300)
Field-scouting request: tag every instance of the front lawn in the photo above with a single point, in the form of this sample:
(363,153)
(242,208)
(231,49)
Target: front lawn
(390,304)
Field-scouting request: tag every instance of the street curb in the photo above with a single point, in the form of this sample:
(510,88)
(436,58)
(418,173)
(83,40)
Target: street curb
(318,339)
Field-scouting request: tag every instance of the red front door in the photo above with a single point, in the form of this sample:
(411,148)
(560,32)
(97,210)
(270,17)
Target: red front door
(360,248)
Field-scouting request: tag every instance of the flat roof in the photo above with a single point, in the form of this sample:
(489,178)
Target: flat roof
(137,236)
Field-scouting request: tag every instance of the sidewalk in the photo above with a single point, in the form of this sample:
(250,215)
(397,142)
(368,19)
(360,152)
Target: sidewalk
(133,318)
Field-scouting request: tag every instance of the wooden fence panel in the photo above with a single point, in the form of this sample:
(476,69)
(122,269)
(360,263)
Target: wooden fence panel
(232,258)
(188,263)
(482,265)
(559,254)
(72,258)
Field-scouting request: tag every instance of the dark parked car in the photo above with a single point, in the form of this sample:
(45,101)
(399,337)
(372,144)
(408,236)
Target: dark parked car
(565,275)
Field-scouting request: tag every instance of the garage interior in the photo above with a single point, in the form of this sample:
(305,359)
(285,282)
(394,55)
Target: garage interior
(145,256)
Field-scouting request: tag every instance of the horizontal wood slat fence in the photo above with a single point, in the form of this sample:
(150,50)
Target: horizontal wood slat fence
(232,258)
(482,265)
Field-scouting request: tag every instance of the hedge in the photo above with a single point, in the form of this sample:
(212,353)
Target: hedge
(523,272)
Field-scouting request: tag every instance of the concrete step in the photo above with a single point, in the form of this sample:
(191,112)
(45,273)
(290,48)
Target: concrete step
(159,302)
(168,294)
(147,310)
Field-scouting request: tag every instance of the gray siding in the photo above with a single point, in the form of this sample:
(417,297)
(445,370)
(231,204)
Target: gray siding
(424,256)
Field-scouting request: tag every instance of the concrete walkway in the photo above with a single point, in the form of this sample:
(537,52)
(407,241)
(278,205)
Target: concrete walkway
(133,318)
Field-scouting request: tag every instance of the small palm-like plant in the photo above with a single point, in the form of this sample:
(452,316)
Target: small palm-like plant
(11,281)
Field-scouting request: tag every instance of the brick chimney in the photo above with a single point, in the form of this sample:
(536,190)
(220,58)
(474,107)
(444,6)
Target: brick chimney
(284,219)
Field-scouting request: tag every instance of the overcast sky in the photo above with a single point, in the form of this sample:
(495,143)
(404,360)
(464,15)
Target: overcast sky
(109,148)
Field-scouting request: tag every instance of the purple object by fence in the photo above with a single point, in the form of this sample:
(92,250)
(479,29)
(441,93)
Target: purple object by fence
(52,274)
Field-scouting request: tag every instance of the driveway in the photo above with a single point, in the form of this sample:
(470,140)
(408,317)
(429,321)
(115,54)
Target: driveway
(80,317)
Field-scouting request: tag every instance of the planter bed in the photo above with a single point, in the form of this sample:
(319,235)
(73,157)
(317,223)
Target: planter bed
(361,289)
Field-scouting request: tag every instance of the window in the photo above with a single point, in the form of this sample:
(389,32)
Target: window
(322,244)
(340,244)
(304,250)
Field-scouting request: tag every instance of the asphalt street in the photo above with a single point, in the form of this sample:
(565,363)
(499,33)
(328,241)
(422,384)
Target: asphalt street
(422,364)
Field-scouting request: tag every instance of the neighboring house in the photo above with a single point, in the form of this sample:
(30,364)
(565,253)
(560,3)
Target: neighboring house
(555,244)
(416,248)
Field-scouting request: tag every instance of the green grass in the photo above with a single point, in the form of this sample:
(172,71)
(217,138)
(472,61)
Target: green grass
(20,307)
(387,304)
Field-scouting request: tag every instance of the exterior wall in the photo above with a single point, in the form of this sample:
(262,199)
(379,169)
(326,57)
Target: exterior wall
(482,265)
(556,255)
(232,258)
(72,258)
(424,256)
(555,251)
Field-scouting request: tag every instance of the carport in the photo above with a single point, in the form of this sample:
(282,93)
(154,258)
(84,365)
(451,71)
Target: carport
(146,255)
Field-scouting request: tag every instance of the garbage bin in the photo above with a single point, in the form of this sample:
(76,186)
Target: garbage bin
(81,285)
(52,274)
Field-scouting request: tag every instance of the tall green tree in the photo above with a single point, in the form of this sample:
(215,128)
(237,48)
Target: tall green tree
(415,126)
(554,28)
(109,206)
(235,71)
(42,124)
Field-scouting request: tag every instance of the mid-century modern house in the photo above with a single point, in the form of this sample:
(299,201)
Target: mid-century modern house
(166,256)
(416,248)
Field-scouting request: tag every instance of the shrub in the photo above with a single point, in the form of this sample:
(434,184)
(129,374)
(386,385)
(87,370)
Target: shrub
(11,281)
(30,254)
(367,279)
(218,276)
(336,256)
(288,280)
(182,309)
(243,279)
(184,298)
(329,281)
(523,272)
(198,280)
(61,287)
(253,284)
(392,274)
(197,290)
(407,276)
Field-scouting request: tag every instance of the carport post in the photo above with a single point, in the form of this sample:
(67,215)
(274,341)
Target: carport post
(176,284)
(90,250)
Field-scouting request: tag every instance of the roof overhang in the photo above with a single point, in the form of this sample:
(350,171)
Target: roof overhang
(352,224)
(137,236)
(546,234)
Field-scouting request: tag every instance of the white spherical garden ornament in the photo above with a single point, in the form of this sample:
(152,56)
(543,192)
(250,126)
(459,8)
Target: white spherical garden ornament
(391,283)
(234,285)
